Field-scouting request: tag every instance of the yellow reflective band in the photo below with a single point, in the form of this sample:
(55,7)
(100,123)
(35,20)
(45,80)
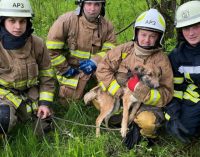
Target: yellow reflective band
(190,89)
(124,54)
(11,97)
(167,116)
(58,60)
(187,76)
(55,44)
(48,73)
(178,80)
(107,46)
(161,21)
(102,86)
(80,54)
(65,81)
(190,97)
(102,54)
(178,94)
(113,88)
(154,97)
(31,107)
(47,96)
(141,17)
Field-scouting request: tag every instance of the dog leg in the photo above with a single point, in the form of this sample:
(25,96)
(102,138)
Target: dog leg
(134,110)
(92,94)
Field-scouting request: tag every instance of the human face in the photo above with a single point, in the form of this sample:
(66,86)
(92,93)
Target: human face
(147,38)
(92,10)
(192,34)
(16,25)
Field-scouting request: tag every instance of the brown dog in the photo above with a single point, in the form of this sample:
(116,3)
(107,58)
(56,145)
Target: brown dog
(107,104)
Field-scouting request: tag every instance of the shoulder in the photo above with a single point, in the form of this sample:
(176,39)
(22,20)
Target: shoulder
(104,21)
(37,41)
(67,16)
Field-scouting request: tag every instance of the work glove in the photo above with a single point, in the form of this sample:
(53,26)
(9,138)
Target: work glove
(87,66)
(133,136)
(132,82)
(71,72)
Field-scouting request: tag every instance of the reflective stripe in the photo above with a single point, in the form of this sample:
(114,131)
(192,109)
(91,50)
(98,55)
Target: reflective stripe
(47,96)
(124,54)
(58,60)
(190,69)
(11,97)
(167,116)
(190,89)
(113,88)
(80,54)
(178,80)
(178,94)
(55,44)
(107,46)
(188,78)
(154,97)
(31,107)
(190,97)
(102,54)
(49,72)
(65,81)
(20,84)
(102,86)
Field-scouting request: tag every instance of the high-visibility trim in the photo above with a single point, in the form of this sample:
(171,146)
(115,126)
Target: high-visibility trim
(47,96)
(167,116)
(31,107)
(154,97)
(189,69)
(188,78)
(113,87)
(107,46)
(187,96)
(20,84)
(58,60)
(11,97)
(190,89)
(102,86)
(48,73)
(55,44)
(178,94)
(124,54)
(80,54)
(102,54)
(178,80)
(65,81)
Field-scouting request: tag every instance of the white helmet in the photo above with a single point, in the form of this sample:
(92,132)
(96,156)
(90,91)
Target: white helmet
(15,8)
(187,14)
(151,20)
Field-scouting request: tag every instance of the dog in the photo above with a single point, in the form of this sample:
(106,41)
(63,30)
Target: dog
(107,105)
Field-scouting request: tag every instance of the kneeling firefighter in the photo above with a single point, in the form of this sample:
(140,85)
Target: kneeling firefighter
(26,76)
(145,49)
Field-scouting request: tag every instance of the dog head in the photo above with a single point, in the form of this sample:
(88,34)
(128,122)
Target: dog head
(149,74)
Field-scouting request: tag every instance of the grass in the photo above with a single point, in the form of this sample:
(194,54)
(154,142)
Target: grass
(23,143)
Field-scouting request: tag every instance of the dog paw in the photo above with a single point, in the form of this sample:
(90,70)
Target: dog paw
(89,97)
(123,132)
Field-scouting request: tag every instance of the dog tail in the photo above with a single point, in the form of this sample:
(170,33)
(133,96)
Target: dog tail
(91,95)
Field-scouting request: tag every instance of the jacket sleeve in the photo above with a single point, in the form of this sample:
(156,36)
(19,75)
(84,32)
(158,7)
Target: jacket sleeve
(46,74)
(106,71)
(161,96)
(56,43)
(108,44)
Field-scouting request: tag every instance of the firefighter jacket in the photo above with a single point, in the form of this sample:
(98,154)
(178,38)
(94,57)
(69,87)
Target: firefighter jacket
(72,38)
(26,70)
(186,67)
(119,60)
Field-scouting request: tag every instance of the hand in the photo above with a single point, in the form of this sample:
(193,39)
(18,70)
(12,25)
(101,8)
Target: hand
(87,66)
(43,112)
(71,72)
(132,82)
(133,136)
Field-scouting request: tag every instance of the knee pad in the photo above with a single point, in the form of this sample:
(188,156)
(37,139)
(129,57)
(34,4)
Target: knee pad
(146,121)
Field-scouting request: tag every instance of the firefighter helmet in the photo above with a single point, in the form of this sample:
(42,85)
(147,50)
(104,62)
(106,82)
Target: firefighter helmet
(81,2)
(15,8)
(151,20)
(187,14)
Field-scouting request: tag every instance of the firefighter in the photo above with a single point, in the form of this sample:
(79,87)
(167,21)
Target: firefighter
(146,48)
(183,112)
(77,41)
(26,76)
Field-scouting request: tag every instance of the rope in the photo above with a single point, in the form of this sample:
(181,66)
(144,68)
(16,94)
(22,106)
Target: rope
(125,28)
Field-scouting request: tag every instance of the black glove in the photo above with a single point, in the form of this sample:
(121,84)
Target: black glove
(133,136)
(71,72)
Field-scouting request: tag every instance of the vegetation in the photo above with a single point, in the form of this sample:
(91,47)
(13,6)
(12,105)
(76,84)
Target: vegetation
(74,134)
